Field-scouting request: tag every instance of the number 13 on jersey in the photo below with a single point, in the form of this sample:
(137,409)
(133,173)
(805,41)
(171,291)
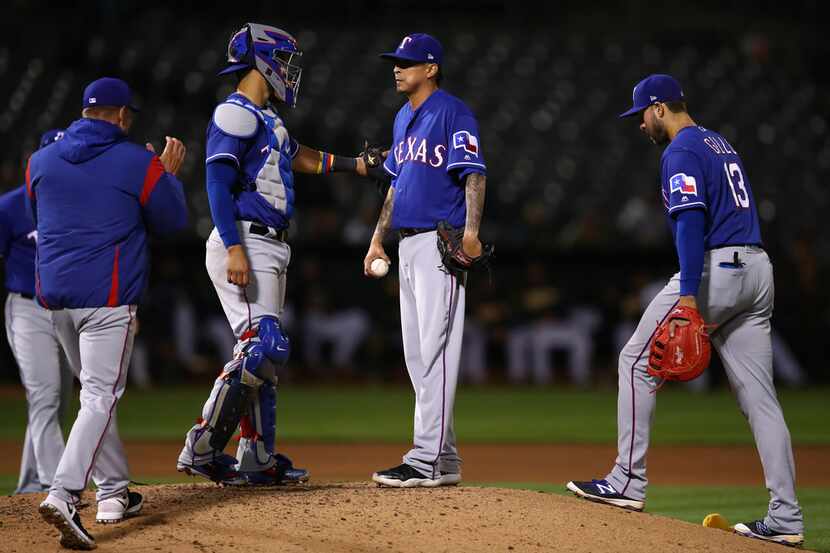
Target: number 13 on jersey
(736,183)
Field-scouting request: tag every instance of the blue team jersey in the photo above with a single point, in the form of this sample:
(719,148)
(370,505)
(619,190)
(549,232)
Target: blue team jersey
(433,149)
(256,141)
(701,170)
(17,242)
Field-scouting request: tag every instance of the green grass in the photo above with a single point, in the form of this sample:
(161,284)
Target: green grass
(736,503)
(502,415)
(494,415)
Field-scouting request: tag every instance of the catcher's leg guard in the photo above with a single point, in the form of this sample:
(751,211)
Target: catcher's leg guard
(220,417)
(252,367)
(258,427)
(258,430)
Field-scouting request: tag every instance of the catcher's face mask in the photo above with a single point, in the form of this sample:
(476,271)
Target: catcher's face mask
(270,51)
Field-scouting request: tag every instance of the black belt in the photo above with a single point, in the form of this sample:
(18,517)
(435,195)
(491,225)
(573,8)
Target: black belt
(262,230)
(407,232)
(27,296)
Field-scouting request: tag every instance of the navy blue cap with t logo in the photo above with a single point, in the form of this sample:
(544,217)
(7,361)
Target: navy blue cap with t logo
(419,48)
(653,89)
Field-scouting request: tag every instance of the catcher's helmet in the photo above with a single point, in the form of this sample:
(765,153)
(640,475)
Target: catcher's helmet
(268,50)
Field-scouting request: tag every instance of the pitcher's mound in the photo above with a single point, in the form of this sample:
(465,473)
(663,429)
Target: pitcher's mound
(361,517)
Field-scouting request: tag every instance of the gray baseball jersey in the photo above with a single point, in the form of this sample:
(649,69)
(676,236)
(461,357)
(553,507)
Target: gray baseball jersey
(48,387)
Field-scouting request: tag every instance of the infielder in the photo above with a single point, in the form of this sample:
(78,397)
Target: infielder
(726,274)
(33,342)
(437,173)
(251,160)
(95,197)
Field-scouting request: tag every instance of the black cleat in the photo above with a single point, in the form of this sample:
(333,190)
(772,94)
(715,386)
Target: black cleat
(601,491)
(758,530)
(405,476)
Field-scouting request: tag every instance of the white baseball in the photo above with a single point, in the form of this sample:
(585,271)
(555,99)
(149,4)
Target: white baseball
(379,267)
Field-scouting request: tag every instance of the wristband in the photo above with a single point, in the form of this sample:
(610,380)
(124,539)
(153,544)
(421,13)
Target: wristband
(330,163)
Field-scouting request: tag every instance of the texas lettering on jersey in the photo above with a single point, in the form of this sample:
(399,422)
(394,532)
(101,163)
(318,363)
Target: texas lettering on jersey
(422,153)
(434,148)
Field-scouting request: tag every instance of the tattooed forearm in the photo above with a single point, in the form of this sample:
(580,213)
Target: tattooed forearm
(385,216)
(475,187)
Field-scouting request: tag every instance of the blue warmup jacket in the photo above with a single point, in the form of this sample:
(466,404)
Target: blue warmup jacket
(94,197)
(17,242)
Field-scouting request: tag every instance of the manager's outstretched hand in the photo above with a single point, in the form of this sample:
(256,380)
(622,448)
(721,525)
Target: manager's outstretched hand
(173,154)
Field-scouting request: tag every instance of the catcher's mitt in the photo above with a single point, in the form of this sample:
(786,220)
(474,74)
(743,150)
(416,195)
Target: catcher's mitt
(373,157)
(680,351)
(452,252)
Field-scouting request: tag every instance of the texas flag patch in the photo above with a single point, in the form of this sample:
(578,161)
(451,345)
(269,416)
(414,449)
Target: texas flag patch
(683,183)
(466,141)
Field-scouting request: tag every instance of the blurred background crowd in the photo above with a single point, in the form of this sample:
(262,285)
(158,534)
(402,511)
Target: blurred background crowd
(572,203)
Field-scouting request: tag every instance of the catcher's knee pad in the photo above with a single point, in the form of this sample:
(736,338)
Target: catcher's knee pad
(275,344)
(266,343)
(221,419)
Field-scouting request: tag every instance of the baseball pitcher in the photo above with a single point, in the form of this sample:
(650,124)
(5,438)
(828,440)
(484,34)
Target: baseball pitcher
(95,197)
(725,279)
(435,203)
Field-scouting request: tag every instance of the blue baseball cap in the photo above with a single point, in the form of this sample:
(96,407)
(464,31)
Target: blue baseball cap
(108,91)
(418,47)
(653,89)
(50,136)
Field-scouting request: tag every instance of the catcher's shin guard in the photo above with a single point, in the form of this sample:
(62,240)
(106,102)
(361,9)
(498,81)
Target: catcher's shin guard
(258,431)
(221,415)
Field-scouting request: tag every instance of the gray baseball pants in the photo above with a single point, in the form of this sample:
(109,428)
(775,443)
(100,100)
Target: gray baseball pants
(740,302)
(48,386)
(432,322)
(98,343)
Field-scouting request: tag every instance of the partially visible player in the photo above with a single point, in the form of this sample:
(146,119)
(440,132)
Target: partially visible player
(727,275)
(251,160)
(33,342)
(95,197)
(438,175)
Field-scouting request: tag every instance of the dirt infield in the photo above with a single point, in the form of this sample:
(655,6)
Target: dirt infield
(351,517)
(551,463)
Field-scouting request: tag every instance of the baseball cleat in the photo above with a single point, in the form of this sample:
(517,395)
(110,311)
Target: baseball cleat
(273,476)
(757,529)
(116,509)
(219,470)
(281,474)
(291,474)
(601,491)
(407,476)
(64,516)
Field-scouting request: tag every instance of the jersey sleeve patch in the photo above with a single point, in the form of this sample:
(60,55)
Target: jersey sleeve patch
(465,140)
(235,120)
(683,183)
